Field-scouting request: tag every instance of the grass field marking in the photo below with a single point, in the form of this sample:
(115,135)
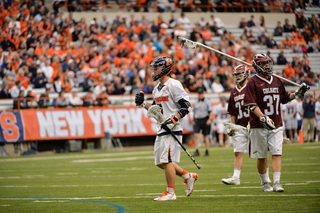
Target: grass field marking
(112,159)
(246,187)
(311,147)
(5,205)
(265,195)
(120,208)
(84,155)
(50,201)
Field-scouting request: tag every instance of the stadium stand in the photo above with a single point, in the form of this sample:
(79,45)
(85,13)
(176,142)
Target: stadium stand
(105,60)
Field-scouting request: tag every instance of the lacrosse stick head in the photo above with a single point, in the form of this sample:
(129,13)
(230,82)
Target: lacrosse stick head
(188,43)
(154,111)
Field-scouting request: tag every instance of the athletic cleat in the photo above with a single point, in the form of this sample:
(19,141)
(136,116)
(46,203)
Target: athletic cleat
(231,181)
(266,187)
(190,183)
(206,154)
(277,187)
(166,196)
(196,153)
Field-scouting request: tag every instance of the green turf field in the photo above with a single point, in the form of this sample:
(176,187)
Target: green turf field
(127,181)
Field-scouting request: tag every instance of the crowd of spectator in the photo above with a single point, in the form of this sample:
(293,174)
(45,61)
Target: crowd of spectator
(42,49)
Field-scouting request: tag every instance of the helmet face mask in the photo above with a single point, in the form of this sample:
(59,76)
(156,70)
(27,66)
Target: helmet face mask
(240,73)
(161,66)
(262,64)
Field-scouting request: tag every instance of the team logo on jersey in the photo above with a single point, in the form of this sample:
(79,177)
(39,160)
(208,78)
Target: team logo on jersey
(163,98)
(270,90)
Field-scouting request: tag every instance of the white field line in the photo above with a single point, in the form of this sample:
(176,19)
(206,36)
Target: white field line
(54,157)
(265,195)
(182,196)
(5,205)
(153,184)
(50,201)
(112,159)
(246,187)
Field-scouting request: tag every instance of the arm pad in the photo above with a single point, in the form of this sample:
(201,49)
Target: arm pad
(252,108)
(185,107)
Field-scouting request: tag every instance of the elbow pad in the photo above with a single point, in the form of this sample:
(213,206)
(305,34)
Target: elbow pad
(185,107)
(252,108)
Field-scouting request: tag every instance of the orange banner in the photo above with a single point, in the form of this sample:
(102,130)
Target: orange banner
(78,123)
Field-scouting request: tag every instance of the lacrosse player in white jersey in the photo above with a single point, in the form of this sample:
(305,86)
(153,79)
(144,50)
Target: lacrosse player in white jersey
(174,101)
(222,116)
(290,118)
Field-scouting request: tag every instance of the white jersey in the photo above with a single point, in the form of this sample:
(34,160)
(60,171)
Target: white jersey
(317,110)
(221,112)
(290,110)
(299,110)
(167,97)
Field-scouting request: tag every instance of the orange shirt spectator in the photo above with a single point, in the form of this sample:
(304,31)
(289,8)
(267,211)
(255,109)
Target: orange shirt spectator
(206,34)
(289,70)
(25,81)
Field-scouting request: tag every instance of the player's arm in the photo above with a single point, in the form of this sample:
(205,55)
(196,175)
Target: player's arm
(264,119)
(233,119)
(185,108)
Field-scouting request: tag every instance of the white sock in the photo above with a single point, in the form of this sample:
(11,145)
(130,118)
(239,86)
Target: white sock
(170,190)
(267,172)
(186,176)
(264,178)
(236,173)
(276,177)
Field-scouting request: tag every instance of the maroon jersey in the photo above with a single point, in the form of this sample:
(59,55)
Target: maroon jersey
(267,95)
(236,106)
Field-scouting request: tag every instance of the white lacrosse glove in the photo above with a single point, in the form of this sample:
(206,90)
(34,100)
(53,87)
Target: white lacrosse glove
(230,132)
(170,123)
(299,93)
(267,122)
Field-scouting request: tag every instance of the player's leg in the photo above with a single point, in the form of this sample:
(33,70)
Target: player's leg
(275,143)
(196,144)
(206,131)
(164,146)
(259,150)
(207,144)
(189,178)
(196,130)
(240,146)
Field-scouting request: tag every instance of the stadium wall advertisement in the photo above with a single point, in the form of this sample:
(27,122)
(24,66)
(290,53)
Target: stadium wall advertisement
(80,123)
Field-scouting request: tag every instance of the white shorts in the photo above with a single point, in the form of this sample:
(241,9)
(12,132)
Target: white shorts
(166,149)
(318,125)
(240,141)
(291,123)
(221,128)
(261,139)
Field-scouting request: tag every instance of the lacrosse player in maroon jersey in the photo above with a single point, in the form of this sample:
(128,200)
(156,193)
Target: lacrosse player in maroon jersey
(239,114)
(175,104)
(264,93)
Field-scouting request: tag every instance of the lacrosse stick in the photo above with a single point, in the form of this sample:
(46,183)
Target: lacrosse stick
(154,111)
(194,45)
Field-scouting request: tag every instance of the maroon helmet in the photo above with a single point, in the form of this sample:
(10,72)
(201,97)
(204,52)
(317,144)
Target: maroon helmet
(260,62)
(240,73)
